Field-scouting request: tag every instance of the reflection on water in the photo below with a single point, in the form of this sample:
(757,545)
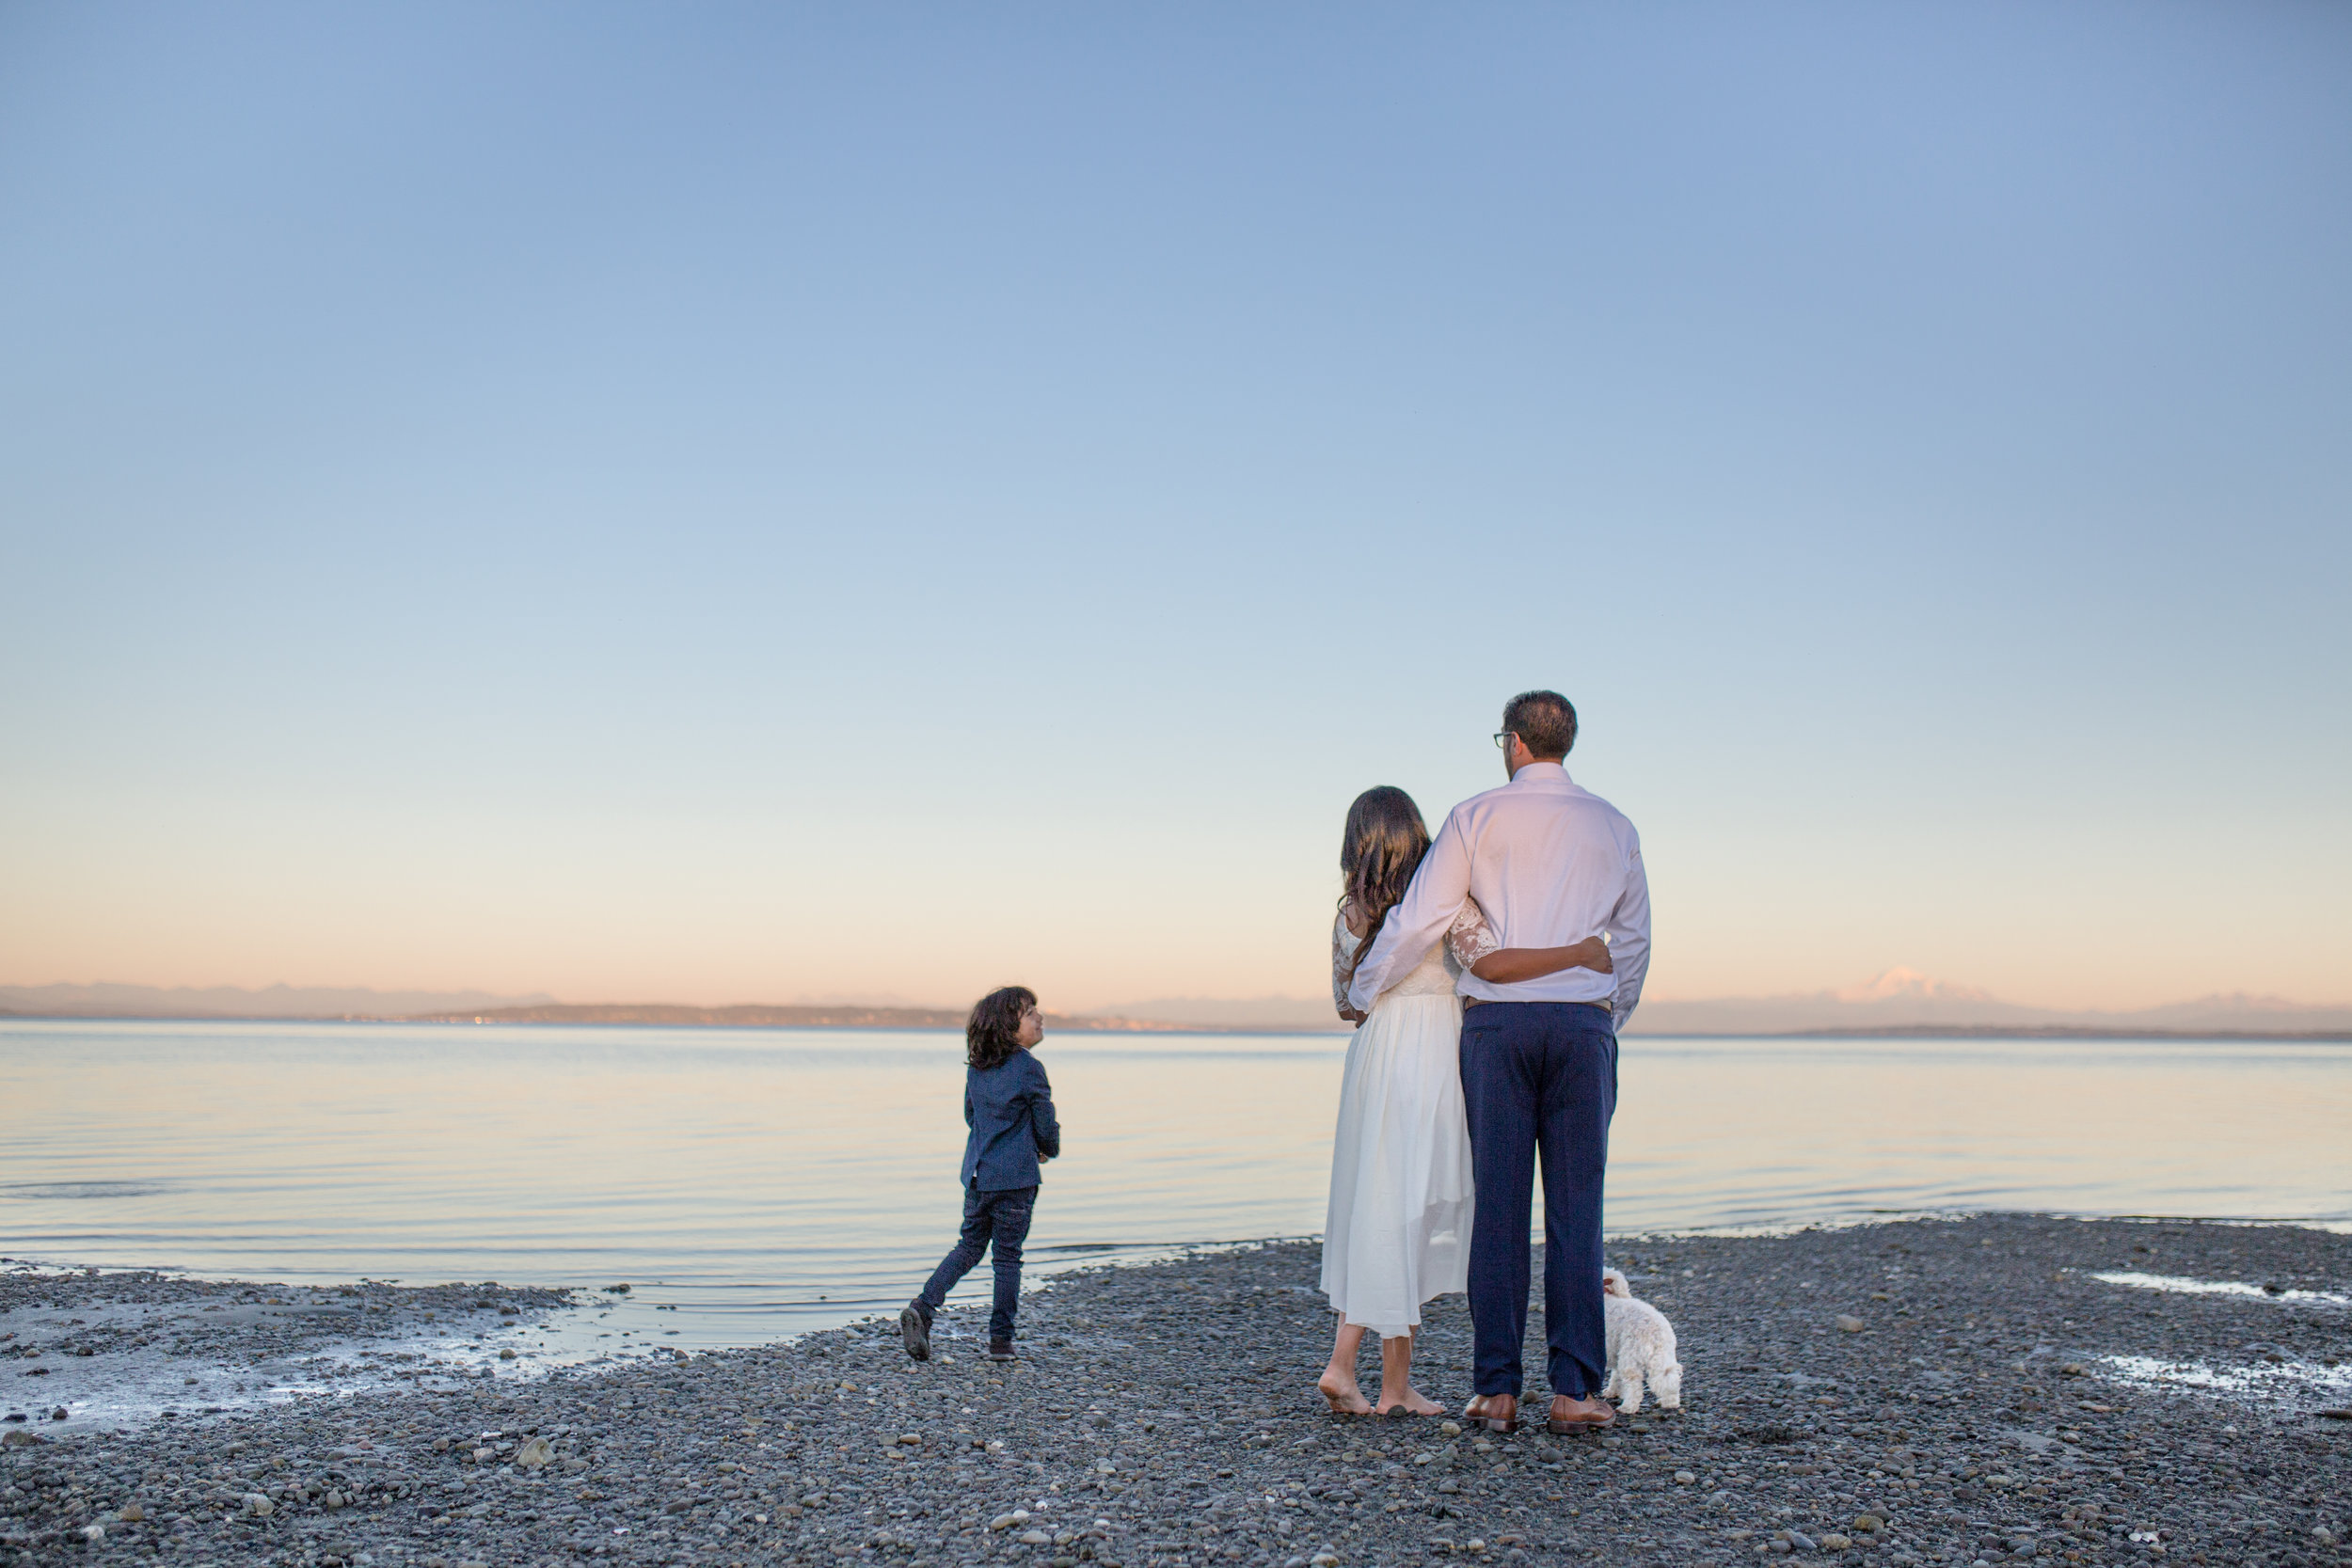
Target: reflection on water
(751,1173)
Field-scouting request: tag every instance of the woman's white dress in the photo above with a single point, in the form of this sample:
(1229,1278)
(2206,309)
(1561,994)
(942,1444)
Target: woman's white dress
(1397,1232)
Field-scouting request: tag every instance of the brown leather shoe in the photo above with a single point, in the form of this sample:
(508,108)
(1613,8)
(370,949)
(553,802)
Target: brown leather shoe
(1586,1415)
(1494,1412)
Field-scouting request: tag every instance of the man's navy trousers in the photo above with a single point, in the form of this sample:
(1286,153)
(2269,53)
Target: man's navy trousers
(1539,1081)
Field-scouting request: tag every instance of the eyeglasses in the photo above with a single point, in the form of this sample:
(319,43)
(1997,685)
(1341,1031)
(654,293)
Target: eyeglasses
(1503,736)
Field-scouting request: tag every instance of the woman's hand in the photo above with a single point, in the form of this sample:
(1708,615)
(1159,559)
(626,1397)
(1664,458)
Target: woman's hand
(1593,954)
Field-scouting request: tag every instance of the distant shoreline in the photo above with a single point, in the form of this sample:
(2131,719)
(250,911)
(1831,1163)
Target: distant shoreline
(664,1015)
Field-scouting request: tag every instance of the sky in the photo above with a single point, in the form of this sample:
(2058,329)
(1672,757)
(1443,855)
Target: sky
(758,503)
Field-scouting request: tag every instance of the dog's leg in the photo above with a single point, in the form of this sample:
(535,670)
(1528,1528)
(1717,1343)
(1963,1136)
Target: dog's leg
(1629,1383)
(1670,1387)
(1609,1389)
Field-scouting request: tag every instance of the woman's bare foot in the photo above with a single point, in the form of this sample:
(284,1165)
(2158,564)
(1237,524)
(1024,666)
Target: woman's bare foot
(1411,1400)
(1346,1399)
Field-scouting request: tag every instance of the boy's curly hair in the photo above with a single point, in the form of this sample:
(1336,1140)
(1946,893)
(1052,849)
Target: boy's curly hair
(993,1034)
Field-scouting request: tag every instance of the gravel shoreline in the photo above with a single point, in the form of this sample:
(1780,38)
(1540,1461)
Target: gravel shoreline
(1942,1391)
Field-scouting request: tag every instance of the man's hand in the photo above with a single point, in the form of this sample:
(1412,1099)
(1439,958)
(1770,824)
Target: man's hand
(1352,1015)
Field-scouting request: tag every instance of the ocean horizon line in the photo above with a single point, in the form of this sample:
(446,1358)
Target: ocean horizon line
(938,1020)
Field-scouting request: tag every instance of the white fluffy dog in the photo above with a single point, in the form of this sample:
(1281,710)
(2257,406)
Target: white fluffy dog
(1641,1345)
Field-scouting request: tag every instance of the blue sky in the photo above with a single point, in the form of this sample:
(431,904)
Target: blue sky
(753,502)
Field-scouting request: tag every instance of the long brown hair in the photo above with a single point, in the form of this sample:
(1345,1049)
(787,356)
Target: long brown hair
(992,1033)
(1379,852)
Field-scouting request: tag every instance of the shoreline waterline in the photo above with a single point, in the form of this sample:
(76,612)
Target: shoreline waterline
(570,1327)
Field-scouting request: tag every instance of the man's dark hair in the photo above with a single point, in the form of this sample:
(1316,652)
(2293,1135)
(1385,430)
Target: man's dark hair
(993,1034)
(1544,722)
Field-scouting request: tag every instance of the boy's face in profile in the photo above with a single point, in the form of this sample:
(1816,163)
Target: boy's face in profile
(1032,1028)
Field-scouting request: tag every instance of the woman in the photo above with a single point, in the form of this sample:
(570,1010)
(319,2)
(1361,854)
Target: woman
(1397,1232)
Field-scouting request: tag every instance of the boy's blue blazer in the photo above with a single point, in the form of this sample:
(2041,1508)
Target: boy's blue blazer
(1009,1108)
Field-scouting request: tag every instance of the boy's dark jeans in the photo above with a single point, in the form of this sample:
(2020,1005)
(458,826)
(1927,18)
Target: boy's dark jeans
(1001,1218)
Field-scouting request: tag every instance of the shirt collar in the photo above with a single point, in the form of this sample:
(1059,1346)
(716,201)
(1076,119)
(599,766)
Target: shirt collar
(1542,772)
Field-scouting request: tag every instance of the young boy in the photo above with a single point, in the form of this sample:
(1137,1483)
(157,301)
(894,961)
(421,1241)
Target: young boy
(1009,1107)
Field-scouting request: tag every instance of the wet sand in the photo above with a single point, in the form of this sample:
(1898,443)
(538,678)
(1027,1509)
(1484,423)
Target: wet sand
(1944,1391)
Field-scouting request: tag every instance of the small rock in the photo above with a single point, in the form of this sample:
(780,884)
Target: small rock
(18,1438)
(1802,1542)
(534,1454)
(1035,1538)
(257,1506)
(1006,1521)
(93,1533)
(506,1353)
(132,1514)
(1851,1323)
(1836,1544)
(1684,1477)
(1868,1524)
(1326,1560)
(1452,1429)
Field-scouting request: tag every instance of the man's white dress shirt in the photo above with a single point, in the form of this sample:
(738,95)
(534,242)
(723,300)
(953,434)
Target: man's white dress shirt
(1551,864)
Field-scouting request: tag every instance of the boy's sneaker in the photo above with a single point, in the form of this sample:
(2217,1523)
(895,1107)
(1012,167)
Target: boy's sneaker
(1000,1350)
(915,1328)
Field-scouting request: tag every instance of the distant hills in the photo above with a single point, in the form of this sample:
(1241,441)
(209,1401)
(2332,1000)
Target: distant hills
(758,1017)
(104,1000)
(107,1000)
(1905,1002)
(1900,1002)
(1284,1012)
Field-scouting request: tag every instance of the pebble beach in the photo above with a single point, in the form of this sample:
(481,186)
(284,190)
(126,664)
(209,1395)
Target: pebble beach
(1997,1389)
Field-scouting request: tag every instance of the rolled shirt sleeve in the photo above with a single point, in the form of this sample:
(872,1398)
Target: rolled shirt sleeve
(1629,939)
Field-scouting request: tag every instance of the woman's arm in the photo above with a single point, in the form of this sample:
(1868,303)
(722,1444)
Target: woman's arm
(1508,964)
(1477,949)
(1344,936)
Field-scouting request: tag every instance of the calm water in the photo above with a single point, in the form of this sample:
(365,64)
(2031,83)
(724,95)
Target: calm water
(770,1182)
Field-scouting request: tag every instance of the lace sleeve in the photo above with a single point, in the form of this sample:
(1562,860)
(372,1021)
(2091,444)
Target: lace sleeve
(1343,962)
(1469,936)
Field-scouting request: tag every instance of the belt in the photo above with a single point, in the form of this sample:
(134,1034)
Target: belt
(1597,1007)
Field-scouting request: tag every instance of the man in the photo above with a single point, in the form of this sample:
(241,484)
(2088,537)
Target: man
(1551,864)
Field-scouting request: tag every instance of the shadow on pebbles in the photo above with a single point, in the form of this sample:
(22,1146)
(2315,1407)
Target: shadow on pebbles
(1942,1391)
